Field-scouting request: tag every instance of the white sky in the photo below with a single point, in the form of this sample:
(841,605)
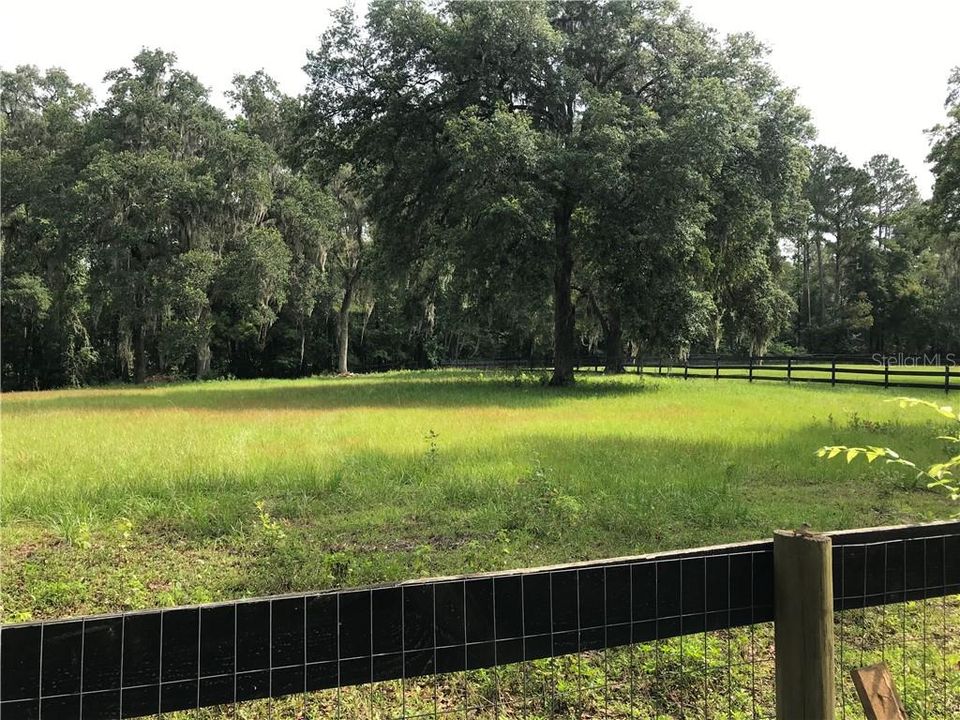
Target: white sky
(873,72)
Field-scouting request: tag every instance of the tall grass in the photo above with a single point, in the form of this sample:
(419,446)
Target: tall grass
(380,477)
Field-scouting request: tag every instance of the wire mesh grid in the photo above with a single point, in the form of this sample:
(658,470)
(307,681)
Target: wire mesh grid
(878,621)
(672,636)
(646,637)
(726,674)
(718,674)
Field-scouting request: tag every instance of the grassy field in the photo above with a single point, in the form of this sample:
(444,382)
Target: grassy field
(121,498)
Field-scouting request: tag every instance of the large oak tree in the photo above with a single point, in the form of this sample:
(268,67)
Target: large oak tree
(500,122)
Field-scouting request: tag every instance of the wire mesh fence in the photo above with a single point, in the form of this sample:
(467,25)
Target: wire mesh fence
(675,635)
(897,602)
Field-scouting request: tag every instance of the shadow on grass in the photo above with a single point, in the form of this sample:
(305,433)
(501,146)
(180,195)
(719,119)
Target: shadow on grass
(377,516)
(423,389)
(608,494)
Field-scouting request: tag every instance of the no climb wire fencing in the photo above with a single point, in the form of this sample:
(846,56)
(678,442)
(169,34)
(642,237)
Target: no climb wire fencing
(701,633)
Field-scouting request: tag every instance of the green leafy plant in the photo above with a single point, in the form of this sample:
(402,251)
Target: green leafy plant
(271,528)
(938,475)
(433,450)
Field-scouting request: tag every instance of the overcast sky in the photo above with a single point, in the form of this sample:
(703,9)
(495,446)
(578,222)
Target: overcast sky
(873,72)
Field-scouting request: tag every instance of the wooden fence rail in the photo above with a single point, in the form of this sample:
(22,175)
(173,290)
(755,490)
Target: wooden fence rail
(836,370)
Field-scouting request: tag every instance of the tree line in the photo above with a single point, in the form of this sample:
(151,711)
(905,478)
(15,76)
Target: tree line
(532,179)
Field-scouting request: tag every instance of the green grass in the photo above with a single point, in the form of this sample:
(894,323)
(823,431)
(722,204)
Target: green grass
(152,493)
(122,498)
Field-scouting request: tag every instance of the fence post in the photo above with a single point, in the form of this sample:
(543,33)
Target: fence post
(751,368)
(717,366)
(803,626)
(886,372)
(946,378)
(660,365)
(686,368)
(833,371)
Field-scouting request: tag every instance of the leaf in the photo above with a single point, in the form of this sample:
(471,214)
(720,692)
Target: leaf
(898,461)
(852,453)
(945,410)
(834,451)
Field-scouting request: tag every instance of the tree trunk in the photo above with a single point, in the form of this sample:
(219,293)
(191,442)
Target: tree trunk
(303,343)
(820,279)
(139,354)
(613,345)
(806,281)
(838,298)
(204,355)
(564,313)
(717,331)
(343,328)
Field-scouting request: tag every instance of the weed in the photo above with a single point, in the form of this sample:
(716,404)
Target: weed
(433,450)
(272,530)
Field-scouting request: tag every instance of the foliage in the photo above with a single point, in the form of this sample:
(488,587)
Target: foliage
(462,179)
(938,475)
(875,269)
(588,143)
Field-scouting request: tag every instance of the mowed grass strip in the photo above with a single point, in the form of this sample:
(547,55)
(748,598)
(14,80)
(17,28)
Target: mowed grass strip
(119,498)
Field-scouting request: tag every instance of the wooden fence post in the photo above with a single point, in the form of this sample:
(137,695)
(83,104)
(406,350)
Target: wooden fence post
(886,372)
(803,626)
(789,369)
(833,371)
(878,693)
(751,368)
(686,369)
(717,367)
(946,378)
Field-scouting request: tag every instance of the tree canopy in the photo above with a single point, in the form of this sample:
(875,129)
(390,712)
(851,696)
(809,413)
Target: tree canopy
(526,179)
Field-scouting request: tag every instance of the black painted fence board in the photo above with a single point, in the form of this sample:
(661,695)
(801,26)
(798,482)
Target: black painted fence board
(891,375)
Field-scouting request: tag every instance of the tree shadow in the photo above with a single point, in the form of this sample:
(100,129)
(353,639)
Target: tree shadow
(601,494)
(416,389)
(531,499)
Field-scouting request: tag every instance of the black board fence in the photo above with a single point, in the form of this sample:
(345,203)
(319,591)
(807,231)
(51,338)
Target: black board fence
(938,372)
(145,663)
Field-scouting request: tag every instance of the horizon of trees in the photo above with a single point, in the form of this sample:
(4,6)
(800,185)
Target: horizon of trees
(536,179)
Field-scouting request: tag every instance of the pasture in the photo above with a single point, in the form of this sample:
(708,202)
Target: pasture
(119,498)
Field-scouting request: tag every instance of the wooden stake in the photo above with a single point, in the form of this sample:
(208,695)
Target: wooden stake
(878,694)
(803,629)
